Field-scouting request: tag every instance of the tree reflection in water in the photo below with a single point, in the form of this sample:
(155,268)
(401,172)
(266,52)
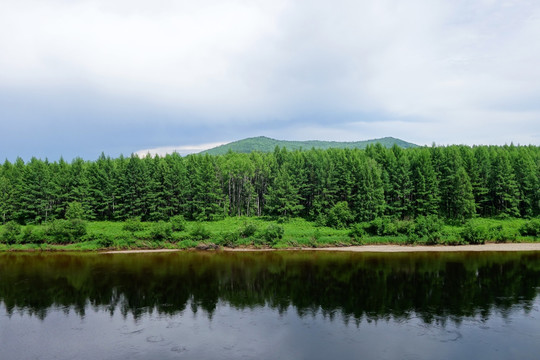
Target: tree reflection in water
(435,287)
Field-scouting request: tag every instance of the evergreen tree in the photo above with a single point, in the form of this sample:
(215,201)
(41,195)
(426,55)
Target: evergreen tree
(425,194)
(457,199)
(504,189)
(206,200)
(367,193)
(283,198)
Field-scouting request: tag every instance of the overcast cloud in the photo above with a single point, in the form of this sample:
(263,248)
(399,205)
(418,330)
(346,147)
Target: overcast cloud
(119,76)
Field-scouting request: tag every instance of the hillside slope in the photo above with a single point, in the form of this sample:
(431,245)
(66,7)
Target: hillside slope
(265,144)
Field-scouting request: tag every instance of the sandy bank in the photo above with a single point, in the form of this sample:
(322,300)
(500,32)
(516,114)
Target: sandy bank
(379,248)
(435,248)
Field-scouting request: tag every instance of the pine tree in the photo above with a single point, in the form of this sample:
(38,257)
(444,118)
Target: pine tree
(504,189)
(367,195)
(206,199)
(425,194)
(283,198)
(457,199)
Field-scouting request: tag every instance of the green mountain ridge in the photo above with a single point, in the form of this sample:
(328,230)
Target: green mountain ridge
(266,144)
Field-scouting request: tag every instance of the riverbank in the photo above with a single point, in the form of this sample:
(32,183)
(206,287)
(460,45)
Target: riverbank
(248,234)
(372,248)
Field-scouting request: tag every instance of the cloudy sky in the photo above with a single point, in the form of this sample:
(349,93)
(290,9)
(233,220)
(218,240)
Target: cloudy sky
(78,77)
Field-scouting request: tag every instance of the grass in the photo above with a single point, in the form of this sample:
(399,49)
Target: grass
(252,232)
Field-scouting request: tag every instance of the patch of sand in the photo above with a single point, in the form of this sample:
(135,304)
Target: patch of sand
(378,248)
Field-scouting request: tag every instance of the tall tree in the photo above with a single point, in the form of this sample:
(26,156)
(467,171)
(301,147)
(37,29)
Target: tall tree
(504,188)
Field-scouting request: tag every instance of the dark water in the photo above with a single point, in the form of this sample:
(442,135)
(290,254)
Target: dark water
(277,305)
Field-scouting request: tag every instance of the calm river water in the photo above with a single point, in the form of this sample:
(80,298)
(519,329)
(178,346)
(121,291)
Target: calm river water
(271,305)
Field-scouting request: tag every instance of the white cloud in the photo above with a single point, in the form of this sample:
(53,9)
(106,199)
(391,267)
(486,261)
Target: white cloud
(180,149)
(459,64)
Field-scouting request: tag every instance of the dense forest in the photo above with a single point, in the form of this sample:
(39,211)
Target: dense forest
(351,185)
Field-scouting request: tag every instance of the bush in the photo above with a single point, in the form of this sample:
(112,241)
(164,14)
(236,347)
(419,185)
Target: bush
(357,231)
(339,216)
(161,230)
(475,232)
(272,234)
(382,227)
(248,230)
(200,232)
(105,241)
(133,225)
(66,231)
(10,232)
(178,223)
(426,229)
(530,228)
(229,239)
(32,235)
(501,234)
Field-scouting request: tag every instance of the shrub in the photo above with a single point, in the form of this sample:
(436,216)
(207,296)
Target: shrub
(229,239)
(133,225)
(475,232)
(66,231)
(530,228)
(10,232)
(200,232)
(32,235)
(501,234)
(248,230)
(161,230)
(339,216)
(272,233)
(105,241)
(357,231)
(178,223)
(382,227)
(426,229)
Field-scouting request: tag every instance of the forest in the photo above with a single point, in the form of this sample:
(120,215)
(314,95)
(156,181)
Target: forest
(334,187)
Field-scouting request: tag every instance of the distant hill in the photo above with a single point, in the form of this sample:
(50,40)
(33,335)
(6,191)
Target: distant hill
(265,144)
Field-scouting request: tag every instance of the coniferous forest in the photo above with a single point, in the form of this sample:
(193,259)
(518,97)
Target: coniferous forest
(333,187)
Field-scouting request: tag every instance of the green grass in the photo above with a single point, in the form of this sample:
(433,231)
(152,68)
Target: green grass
(252,232)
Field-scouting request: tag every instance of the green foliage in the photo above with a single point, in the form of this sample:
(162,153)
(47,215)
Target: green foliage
(75,210)
(32,235)
(339,216)
(337,187)
(248,230)
(382,227)
(178,223)
(358,231)
(65,231)
(425,229)
(475,232)
(530,228)
(10,232)
(133,225)
(501,234)
(200,232)
(272,233)
(161,230)
(229,238)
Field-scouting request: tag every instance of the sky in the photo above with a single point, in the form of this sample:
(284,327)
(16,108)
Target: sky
(81,77)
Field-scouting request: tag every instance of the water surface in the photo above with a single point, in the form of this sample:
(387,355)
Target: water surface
(272,305)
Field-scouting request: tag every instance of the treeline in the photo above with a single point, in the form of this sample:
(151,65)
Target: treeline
(328,186)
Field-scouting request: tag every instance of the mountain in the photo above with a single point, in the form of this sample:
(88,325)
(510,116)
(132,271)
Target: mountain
(265,144)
